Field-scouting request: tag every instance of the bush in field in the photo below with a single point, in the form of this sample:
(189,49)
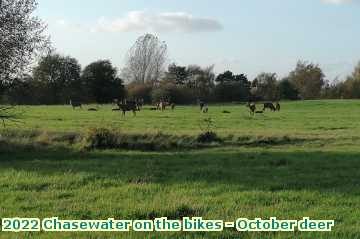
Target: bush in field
(99,138)
(208,135)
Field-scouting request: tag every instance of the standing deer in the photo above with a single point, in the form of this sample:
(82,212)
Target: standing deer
(128,106)
(252,108)
(75,104)
(202,105)
(278,107)
(162,105)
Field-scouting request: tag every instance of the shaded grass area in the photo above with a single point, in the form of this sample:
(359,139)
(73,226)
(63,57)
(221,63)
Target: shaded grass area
(104,138)
(224,183)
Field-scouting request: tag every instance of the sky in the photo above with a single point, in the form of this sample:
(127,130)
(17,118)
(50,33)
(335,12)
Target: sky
(244,36)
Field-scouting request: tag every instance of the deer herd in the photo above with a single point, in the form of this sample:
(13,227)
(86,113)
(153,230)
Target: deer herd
(137,105)
(267,105)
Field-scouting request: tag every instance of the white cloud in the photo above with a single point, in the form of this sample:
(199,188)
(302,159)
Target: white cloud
(162,22)
(337,2)
(63,24)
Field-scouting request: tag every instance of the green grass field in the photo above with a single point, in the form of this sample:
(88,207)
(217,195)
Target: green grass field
(301,162)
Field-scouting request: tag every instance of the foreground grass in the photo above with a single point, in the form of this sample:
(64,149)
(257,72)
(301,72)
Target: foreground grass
(317,177)
(215,184)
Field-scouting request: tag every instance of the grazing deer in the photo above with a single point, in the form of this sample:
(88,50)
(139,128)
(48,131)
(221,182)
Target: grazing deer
(252,108)
(75,104)
(270,106)
(128,106)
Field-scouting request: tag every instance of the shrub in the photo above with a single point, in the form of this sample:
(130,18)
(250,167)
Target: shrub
(208,137)
(99,138)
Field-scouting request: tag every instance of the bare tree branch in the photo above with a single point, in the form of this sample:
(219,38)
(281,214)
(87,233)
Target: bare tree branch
(146,60)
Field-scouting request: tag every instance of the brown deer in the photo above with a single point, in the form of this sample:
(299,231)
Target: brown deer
(162,105)
(140,103)
(269,105)
(252,108)
(278,107)
(128,106)
(205,109)
(75,104)
(202,105)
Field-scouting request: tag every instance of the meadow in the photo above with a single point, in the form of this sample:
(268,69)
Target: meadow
(301,162)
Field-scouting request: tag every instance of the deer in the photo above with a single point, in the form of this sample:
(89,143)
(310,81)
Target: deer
(269,105)
(202,105)
(128,106)
(205,110)
(278,107)
(140,103)
(75,104)
(163,104)
(252,108)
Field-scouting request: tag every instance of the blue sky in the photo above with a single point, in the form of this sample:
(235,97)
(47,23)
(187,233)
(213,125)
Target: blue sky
(245,36)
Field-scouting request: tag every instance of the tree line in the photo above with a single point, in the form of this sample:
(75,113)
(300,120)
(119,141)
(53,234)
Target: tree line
(57,79)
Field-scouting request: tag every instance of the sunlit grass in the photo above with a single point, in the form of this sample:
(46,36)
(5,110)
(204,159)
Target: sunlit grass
(316,177)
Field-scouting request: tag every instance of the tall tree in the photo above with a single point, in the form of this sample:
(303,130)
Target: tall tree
(308,79)
(351,86)
(146,60)
(21,36)
(232,87)
(287,90)
(266,86)
(102,83)
(60,76)
(176,74)
(227,76)
(202,80)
